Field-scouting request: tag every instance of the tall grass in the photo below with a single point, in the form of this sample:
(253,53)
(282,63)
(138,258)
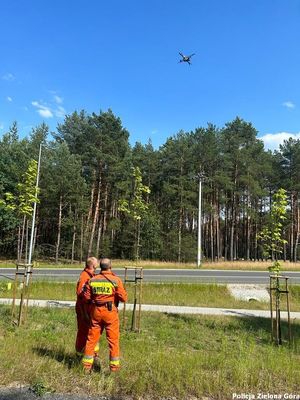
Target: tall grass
(150,264)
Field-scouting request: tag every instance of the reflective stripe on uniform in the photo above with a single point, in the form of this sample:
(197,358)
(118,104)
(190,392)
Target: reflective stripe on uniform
(114,361)
(88,360)
(102,287)
(112,281)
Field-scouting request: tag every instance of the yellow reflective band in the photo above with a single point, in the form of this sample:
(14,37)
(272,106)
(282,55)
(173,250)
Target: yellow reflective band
(113,282)
(102,287)
(114,362)
(88,360)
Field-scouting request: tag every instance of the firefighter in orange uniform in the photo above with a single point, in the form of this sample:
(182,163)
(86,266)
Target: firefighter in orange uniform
(104,290)
(82,307)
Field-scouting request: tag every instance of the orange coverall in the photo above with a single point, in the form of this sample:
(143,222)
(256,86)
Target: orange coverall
(105,290)
(82,308)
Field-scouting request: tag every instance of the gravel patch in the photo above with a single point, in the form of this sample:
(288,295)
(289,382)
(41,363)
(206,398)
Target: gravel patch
(249,292)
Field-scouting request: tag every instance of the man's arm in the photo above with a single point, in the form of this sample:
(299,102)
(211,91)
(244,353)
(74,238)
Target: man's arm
(121,294)
(86,294)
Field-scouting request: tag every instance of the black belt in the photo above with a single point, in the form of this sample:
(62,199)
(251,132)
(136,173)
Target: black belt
(100,304)
(107,304)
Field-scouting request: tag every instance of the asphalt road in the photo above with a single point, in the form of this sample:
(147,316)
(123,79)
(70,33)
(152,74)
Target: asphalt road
(25,393)
(162,275)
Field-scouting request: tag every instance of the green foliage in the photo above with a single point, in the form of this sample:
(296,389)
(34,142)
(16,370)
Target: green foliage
(39,388)
(151,234)
(137,207)
(271,234)
(27,189)
(23,202)
(106,206)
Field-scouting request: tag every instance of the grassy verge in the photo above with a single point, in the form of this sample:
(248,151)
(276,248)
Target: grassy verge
(181,294)
(223,265)
(175,355)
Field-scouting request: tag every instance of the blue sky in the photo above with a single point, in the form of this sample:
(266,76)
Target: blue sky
(62,56)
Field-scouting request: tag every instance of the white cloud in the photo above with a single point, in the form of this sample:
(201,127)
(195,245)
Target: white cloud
(1,126)
(289,104)
(42,109)
(46,113)
(58,99)
(273,140)
(8,98)
(60,112)
(8,77)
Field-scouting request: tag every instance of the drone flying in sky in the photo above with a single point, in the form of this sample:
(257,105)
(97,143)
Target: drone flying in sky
(186,58)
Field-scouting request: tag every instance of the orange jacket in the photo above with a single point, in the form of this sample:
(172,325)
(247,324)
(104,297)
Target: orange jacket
(105,287)
(84,277)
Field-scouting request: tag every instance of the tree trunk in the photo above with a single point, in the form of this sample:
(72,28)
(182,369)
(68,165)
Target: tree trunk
(138,227)
(86,230)
(98,237)
(113,215)
(35,230)
(292,229)
(255,243)
(232,231)
(248,233)
(284,251)
(96,215)
(105,210)
(58,228)
(81,239)
(297,231)
(179,235)
(19,244)
(102,222)
(22,237)
(218,234)
(73,239)
(226,234)
(26,241)
(211,229)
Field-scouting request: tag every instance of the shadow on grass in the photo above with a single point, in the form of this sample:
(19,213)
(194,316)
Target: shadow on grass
(258,326)
(71,360)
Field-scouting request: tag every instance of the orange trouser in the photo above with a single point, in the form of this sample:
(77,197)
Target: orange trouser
(82,332)
(102,318)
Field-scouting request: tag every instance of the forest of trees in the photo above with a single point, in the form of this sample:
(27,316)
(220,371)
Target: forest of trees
(99,195)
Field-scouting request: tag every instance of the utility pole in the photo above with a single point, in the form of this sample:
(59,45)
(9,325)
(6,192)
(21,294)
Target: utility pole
(199,253)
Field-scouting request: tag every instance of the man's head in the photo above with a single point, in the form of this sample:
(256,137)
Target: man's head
(91,263)
(105,264)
